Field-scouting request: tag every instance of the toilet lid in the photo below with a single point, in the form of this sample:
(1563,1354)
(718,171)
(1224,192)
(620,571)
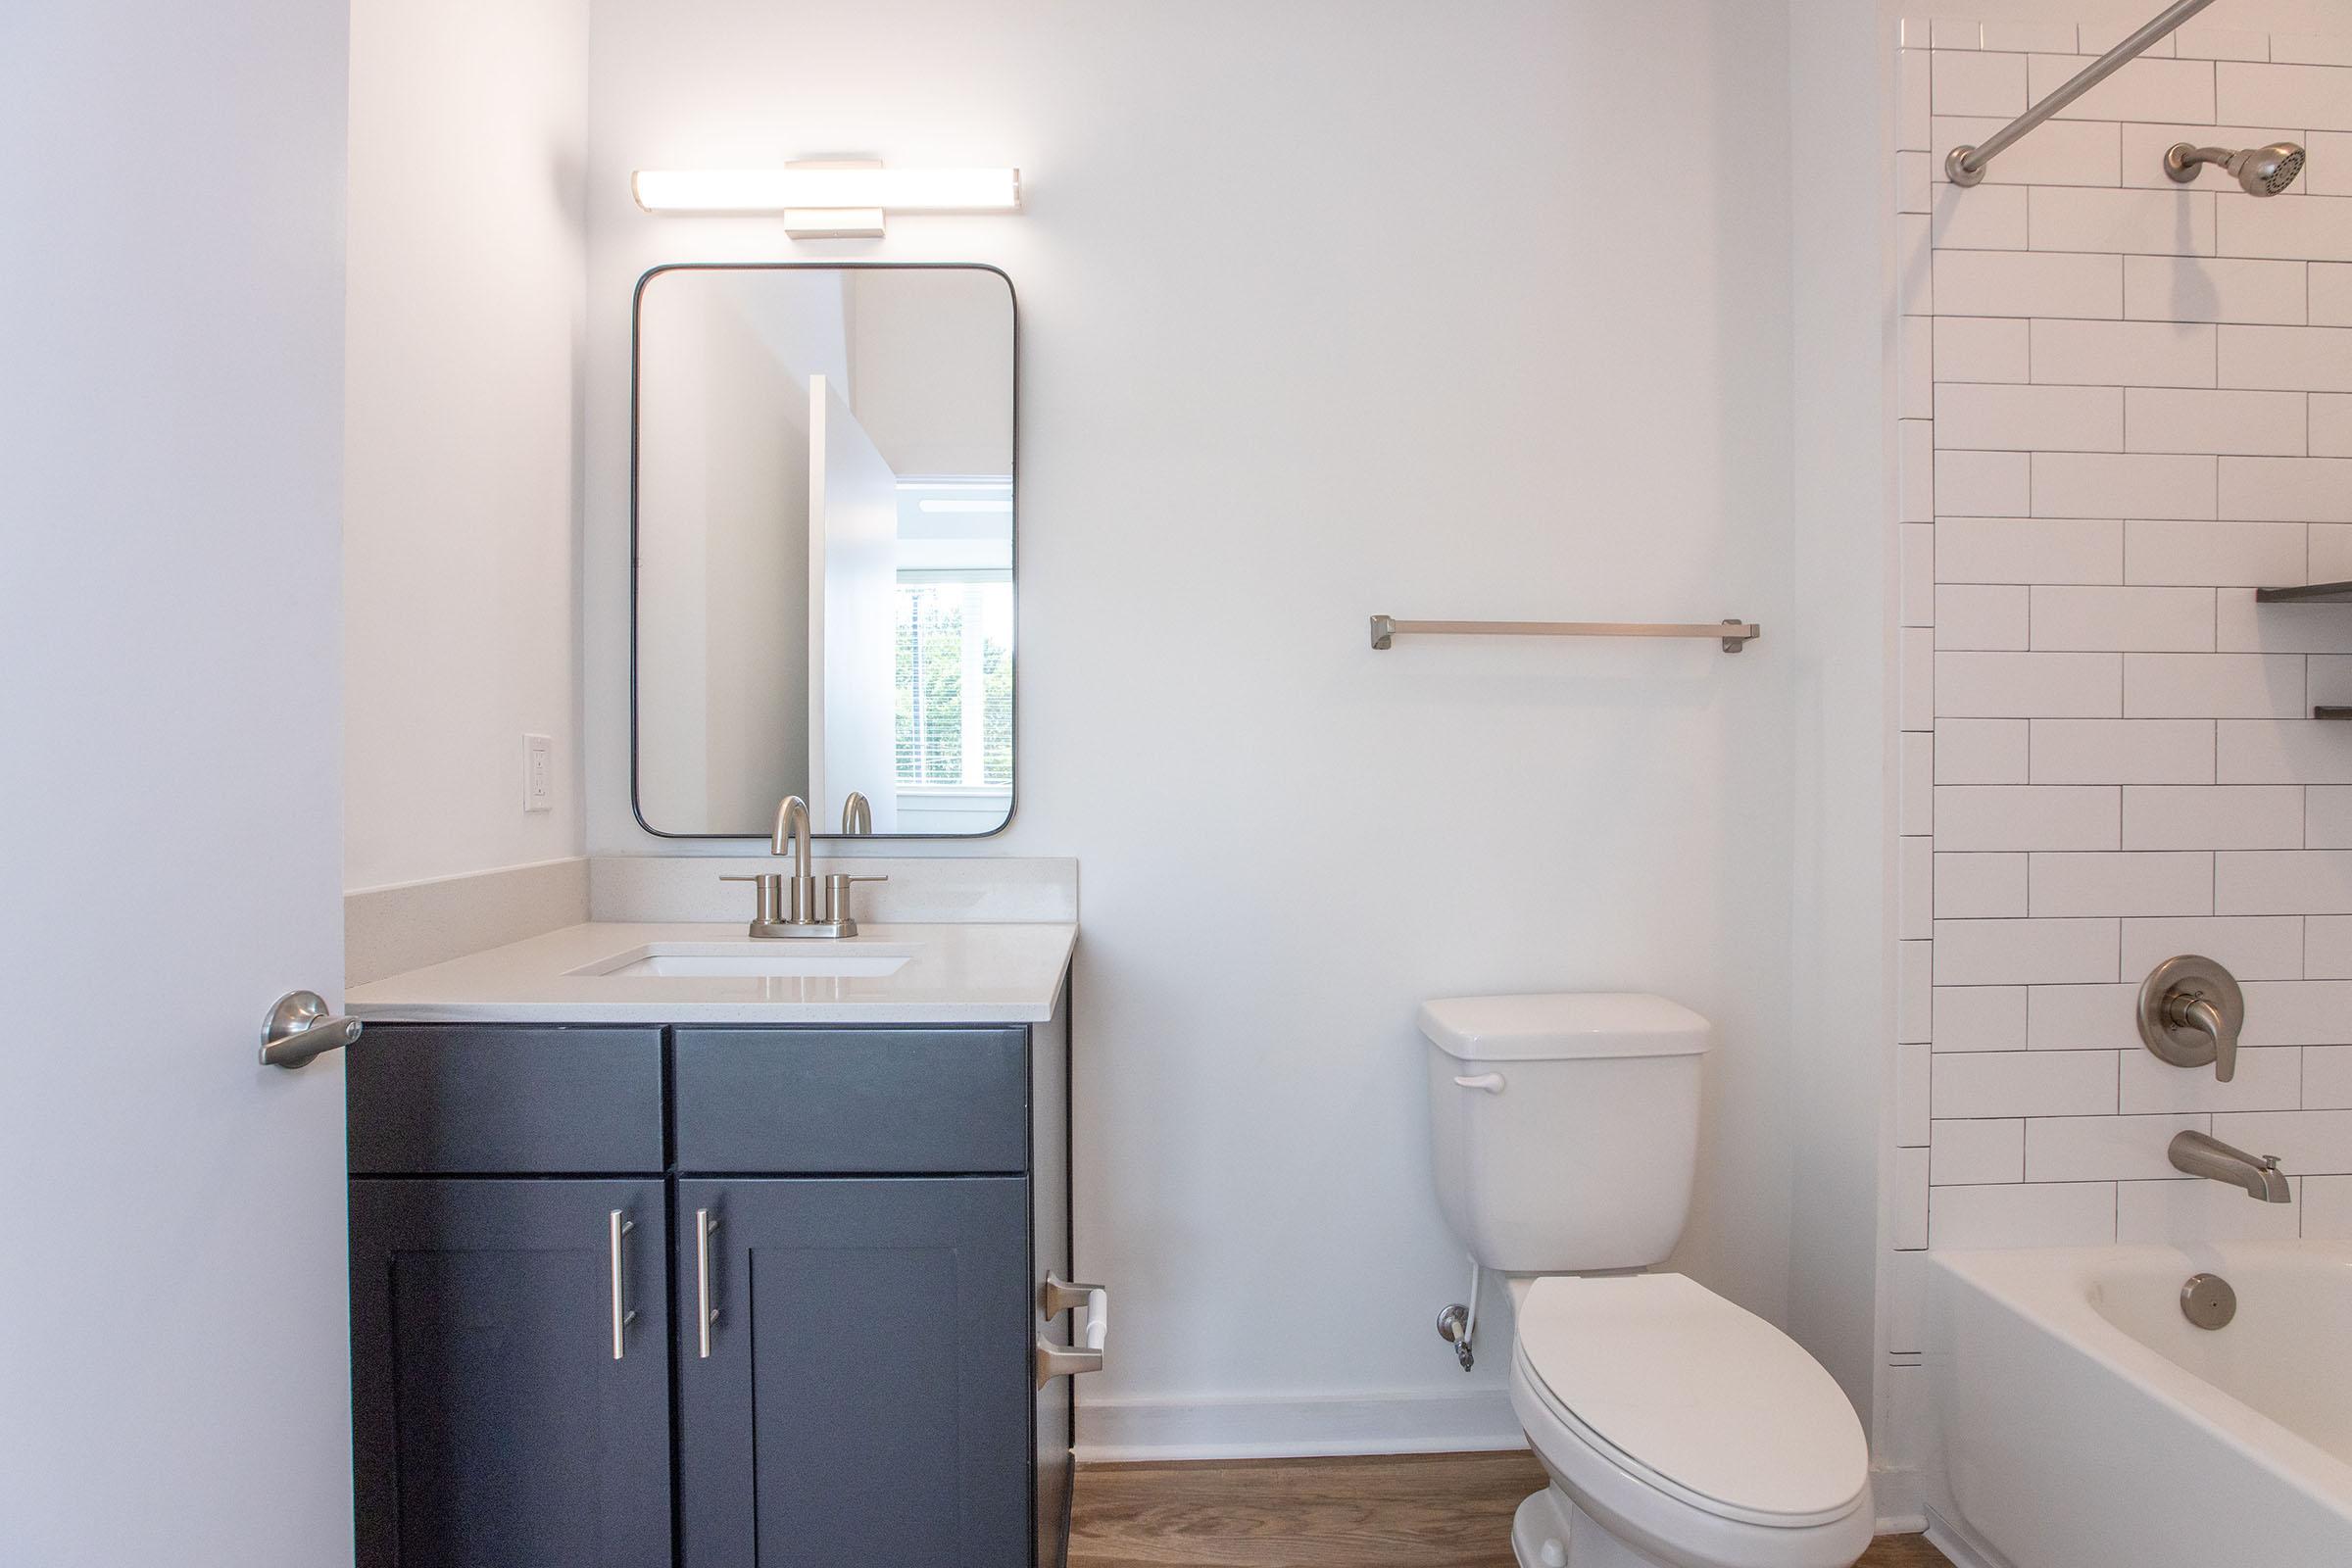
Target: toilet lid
(1705,1397)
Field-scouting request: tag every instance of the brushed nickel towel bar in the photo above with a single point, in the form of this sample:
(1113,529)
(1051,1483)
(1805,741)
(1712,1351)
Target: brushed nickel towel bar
(1733,634)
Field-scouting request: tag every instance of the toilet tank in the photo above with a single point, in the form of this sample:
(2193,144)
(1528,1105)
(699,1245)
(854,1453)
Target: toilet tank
(1565,1126)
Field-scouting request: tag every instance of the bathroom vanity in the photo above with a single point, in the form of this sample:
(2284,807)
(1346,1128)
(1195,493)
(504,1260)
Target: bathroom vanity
(665,1249)
(683,1243)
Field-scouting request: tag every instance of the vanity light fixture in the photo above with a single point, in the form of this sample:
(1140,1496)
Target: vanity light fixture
(835,200)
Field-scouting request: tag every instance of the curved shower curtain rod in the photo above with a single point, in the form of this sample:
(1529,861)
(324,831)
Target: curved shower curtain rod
(1967,164)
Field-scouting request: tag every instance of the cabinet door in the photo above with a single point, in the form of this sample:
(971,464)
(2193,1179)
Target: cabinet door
(866,1396)
(499,1417)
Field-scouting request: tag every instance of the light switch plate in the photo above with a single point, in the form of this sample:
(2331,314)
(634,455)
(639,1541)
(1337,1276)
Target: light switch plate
(538,774)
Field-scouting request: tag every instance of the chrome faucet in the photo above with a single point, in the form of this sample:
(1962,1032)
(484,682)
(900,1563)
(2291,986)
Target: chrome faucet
(798,911)
(2210,1157)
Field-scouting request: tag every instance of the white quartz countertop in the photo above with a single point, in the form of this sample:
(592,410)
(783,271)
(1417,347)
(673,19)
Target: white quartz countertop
(962,973)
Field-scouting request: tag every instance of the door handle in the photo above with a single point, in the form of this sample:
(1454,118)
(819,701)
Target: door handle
(705,1220)
(1084,1352)
(623,1314)
(299,1030)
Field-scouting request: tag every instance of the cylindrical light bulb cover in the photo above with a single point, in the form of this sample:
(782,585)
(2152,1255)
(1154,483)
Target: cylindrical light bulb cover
(773,190)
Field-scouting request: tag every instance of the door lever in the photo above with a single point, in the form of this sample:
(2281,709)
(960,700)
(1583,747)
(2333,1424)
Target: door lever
(300,1030)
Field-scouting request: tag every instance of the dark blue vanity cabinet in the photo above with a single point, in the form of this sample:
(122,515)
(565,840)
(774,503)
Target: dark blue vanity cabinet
(492,1423)
(707,1296)
(865,1392)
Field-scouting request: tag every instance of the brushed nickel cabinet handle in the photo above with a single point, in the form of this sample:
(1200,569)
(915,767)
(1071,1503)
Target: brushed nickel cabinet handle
(705,1223)
(622,1315)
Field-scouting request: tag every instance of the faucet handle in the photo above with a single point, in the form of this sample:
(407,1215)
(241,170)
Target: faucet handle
(2190,1013)
(2185,1011)
(771,898)
(837,900)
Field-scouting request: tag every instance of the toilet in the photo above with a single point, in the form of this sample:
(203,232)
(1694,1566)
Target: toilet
(1678,1430)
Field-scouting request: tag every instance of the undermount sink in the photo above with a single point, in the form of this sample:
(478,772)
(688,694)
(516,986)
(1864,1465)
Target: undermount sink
(776,958)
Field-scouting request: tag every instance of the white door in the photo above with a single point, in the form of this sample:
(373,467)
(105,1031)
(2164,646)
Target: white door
(853,584)
(173,1352)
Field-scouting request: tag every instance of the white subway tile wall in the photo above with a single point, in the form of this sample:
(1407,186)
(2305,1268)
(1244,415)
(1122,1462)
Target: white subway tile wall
(2139,354)
(1976,887)
(2326,1205)
(1968,1154)
(2126,404)
(2162,288)
(2329,294)
(2198,41)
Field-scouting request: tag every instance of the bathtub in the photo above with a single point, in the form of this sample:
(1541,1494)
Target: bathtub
(2079,1420)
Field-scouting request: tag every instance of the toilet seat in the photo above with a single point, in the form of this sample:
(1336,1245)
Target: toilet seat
(1703,1400)
(1689,1431)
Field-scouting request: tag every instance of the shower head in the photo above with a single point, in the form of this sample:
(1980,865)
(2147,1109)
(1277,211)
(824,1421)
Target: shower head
(2258,171)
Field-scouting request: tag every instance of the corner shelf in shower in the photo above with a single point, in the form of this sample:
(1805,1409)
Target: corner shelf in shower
(2318,593)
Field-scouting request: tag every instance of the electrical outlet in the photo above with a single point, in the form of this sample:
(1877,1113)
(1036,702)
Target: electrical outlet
(538,774)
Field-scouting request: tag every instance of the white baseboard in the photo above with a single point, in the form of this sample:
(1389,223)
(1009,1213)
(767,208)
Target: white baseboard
(1125,1431)
(1897,1497)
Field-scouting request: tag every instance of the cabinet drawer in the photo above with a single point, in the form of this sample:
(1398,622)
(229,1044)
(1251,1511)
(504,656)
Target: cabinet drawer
(794,1101)
(482,1098)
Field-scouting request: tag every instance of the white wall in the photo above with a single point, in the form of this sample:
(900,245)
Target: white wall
(1326,310)
(1843,561)
(461,433)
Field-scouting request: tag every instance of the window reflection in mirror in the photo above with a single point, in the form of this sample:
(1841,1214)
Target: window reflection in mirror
(824,548)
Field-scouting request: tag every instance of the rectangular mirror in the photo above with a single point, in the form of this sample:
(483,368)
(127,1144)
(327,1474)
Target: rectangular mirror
(822,534)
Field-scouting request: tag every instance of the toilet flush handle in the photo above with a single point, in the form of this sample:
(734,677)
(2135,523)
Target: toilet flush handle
(1485,1083)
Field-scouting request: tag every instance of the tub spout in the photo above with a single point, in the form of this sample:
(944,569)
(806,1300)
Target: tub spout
(2210,1157)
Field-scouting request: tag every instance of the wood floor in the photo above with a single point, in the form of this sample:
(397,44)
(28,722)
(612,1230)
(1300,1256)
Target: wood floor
(1407,1511)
